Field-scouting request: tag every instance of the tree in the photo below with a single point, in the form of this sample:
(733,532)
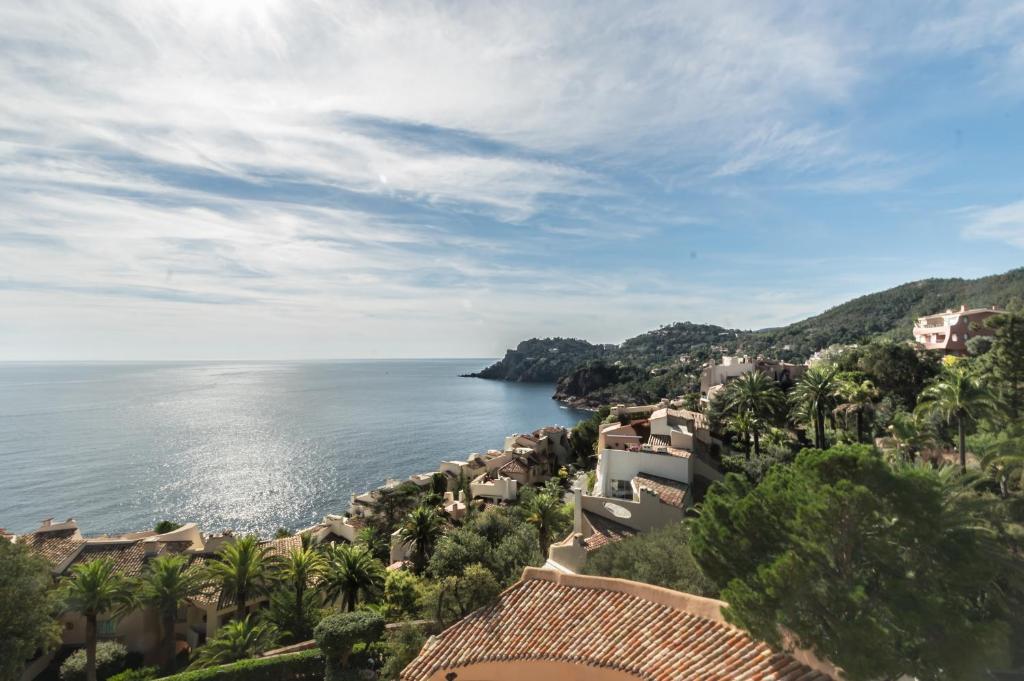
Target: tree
(544,512)
(421,530)
(165,526)
(351,570)
(237,640)
(454,597)
(812,395)
(897,369)
(1007,360)
(92,589)
(661,557)
(402,591)
(758,396)
(337,634)
(957,397)
(742,424)
(859,399)
(403,644)
(300,570)
(883,571)
(457,549)
(583,437)
(374,541)
(28,608)
(911,431)
(166,583)
(244,570)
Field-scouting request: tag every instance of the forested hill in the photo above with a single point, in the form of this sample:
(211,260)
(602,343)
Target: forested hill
(672,353)
(891,312)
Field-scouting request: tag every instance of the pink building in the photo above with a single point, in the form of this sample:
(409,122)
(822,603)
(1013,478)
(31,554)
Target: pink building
(949,331)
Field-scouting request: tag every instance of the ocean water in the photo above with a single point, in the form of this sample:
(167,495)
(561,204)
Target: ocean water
(246,445)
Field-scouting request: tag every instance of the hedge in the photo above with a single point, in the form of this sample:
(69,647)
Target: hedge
(307,665)
(111,658)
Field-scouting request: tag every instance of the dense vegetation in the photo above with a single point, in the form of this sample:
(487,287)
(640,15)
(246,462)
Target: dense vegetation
(339,594)
(666,362)
(895,545)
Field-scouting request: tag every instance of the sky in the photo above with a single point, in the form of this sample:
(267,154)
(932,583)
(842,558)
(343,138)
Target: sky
(247,179)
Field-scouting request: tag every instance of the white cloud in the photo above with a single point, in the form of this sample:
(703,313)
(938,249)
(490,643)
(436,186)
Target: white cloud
(1004,223)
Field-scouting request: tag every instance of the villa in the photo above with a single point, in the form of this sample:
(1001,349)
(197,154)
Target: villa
(714,376)
(560,627)
(949,331)
(63,546)
(645,472)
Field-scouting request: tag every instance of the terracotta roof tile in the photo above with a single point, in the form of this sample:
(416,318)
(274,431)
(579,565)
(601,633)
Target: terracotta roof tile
(55,547)
(643,631)
(514,466)
(671,492)
(605,531)
(128,557)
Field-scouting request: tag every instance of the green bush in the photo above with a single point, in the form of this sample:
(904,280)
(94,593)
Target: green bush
(111,659)
(337,635)
(140,674)
(303,666)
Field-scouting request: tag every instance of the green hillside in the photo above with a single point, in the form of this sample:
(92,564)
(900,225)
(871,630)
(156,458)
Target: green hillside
(668,359)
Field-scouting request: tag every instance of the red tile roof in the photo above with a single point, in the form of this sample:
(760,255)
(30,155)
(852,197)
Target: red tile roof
(128,557)
(55,547)
(641,630)
(671,492)
(514,466)
(606,531)
(280,548)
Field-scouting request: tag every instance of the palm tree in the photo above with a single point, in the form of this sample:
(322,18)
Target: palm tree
(300,569)
(421,529)
(742,423)
(811,396)
(757,395)
(92,589)
(351,570)
(859,399)
(166,584)
(244,570)
(237,640)
(956,396)
(911,431)
(543,512)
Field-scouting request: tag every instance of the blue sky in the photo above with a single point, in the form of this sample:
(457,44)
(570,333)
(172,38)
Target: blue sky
(260,179)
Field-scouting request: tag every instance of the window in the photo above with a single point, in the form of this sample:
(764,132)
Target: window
(106,628)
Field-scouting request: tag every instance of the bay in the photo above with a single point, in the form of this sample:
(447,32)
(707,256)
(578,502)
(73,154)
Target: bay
(251,446)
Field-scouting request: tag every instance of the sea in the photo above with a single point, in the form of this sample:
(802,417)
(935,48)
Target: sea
(250,446)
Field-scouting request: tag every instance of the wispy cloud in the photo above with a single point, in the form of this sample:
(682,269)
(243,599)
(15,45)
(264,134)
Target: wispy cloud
(1004,223)
(376,172)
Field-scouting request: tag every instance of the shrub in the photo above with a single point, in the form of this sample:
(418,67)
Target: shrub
(111,659)
(337,634)
(307,665)
(403,645)
(140,674)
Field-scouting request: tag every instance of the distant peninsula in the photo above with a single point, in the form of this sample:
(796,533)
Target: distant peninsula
(666,361)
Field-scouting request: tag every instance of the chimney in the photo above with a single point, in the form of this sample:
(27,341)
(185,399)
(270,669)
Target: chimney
(963,308)
(47,522)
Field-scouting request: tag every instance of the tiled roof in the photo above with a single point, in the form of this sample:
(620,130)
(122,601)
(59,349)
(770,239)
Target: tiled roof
(669,492)
(128,557)
(640,630)
(605,531)
(55,547)
(280,548)
(514,466)
(659,440)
